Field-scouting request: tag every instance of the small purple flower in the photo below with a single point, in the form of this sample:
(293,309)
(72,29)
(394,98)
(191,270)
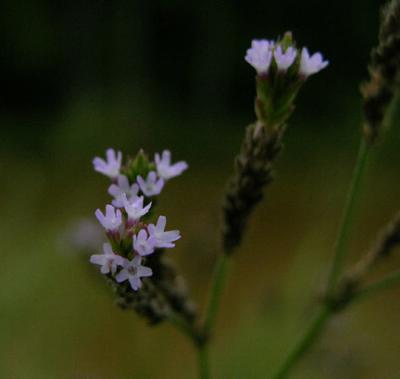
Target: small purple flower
(165,169)
(151,186)
(144,244)
(112,220)
(162,238)
(123,187)
(111,166)
(311,64)
(108,261)
(133,271)
(260,55)
(284,59)
(135,208)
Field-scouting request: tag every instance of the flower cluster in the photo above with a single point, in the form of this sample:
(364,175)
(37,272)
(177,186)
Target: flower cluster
(263,54)
(126,220)
(281,71)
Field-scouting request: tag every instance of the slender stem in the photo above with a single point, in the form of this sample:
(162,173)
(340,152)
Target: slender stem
(204,366)
(200,339)
(324,315)
(348,216)
(382,284)
(217,287)
(311,334)
(340,253)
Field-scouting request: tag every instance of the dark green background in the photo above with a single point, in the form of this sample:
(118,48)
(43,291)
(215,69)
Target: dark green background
(79,77)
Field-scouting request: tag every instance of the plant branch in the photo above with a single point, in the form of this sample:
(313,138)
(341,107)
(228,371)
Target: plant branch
(217,287)
(382,284)
(204,365)
(327,311)
(311,334)
(348,216)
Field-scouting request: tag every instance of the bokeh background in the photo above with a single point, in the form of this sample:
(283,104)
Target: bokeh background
(78,77)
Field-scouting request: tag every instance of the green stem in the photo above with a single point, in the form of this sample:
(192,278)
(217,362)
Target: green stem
(324,315)
(304,343)
(348,216)
(385,283)
(326,312)
(204,366)
(200,339)
(217,287)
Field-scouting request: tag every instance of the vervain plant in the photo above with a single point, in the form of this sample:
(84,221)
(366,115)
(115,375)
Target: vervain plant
(134,260)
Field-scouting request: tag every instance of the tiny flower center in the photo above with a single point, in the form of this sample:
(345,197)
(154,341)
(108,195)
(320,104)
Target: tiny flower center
(132,270)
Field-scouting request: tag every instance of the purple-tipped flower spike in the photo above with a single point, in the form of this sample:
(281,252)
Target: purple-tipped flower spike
(163,239)
(108,261)
(284,59)
(311,64)
(112,220)
(260,55)
(123,187)
(111,166)
(133,271)
(135,209)
(144,244)
(152,185)
(165,169)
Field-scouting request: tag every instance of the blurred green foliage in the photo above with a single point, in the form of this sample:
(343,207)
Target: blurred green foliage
(79,77)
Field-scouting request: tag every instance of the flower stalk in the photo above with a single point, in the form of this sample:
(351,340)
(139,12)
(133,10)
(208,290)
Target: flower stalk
(302,346)
(281,71)
(327,309)
(218,282)
(348,216)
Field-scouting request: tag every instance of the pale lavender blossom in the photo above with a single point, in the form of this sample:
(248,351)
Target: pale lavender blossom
(165,169)
(133,271)
(123,187)
(111,166)
(311,64)
(144,244)
(112,220)
(260,55)
(284,59)
(152,185)
(135,208)
(109,261)
(163,239)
